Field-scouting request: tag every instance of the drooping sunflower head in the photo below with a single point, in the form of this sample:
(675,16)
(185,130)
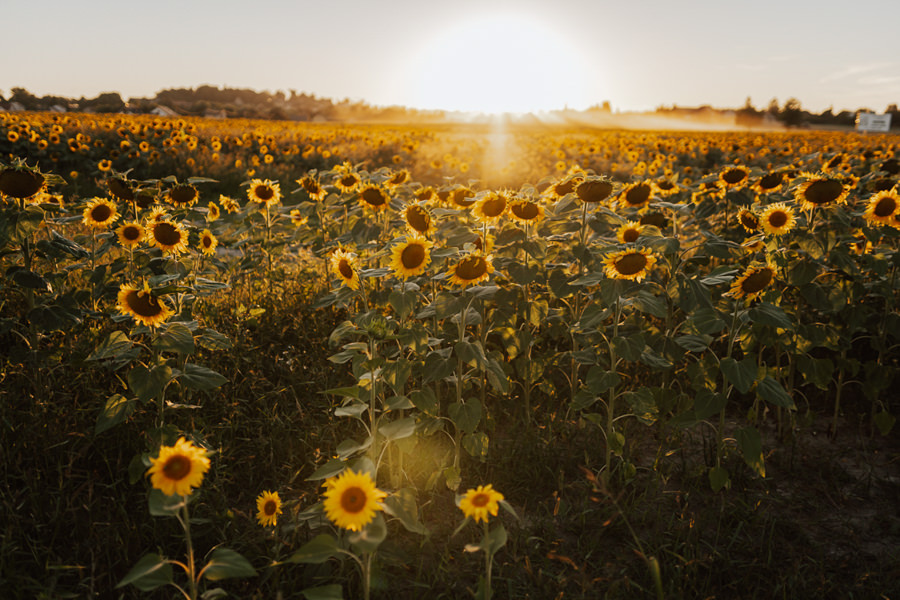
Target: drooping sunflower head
(753,282)
(145,198)
(142,305)
(130,234)
(208,242)
(734,178)
(480,502)
(654,218)
(629,232)
(594,189)
(268,507)
(374,197)
(179,468)
(351,500)
(297,217)
(21,182)
(491,207)
(310,184)
(183,195)
(398,178)
(461,197)
(563,187)
(99,213)
(769,183)
(264,193)
(119,187)
(748,220)
(426,194)
(419,219)
(410,258)
(777,219)
(818,191)
(228,203)
(890,166)
(168,236)
(343,264)
(636,194)
(473,268)
(882,208)
(526,211)
(634,264)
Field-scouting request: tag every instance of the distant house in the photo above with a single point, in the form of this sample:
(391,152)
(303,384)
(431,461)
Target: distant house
(58,108)
(163,111)
(211,113)
(16,107)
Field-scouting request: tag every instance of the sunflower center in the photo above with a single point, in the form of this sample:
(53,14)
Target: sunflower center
(891,166)
(131,233)
(525,210)
(778,218)
(749,220)
(206,241)
(120,189)
(665,185)
(595,191)
(771,181)
(270,507)
(412,256)
(143,304)
(757,281)
(733,176)
(373,197)
(177,467)
(348,180)
(565,187)
(638,195)
(353,500)
(823,191)
(345,269)
(631,264)
(463,198)
(480,500)
(885,207)
(264,192)
(630,235)
(20,184)
(167,234)
(494,207)
(418,219)
(101,213)
(471,267)
(183,194)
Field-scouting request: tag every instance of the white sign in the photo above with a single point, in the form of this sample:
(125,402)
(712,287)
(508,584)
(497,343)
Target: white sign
(872,122)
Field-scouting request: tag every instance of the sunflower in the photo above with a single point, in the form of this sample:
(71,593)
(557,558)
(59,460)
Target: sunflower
(120,188)
(265,193)
(166,235)
(594,190)
(748,220)
(666,187)
(351,500)
(563,187)
(104,165)
(526,211)
(375,197)
(145,198)
(183,195)
(629,264)
(818,191)
(491,207)
(478,503)
(297,217)
(268,507)
(99,213)
(347,181)
(228,203)
(882,208)
(629,232)
(213,213)
(471,269)
(461,197)
(130,234)
(156,215)
(777,219)
(397,179)
(425,194)
(734,178)
(178,468)
(419,219)
(769,183)
(21,183)
(636,194)
(410,258)
(753,281)
(208,242)
(142,305)
(343,264)
(311,186)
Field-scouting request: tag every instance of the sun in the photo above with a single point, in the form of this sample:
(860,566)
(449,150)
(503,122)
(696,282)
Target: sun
(499,63)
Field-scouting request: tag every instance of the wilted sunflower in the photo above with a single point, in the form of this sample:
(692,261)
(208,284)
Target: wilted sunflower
(130,234)
(471,269)
(769,183)
(491,207)
(375,197)
(142,305)
(166,235)
(312,188)
(351,500)
(777,219)
(819,191)
(753,281)
(629,232)
(183,195)
(268,507)
(99,213)
(526,211)
(228,203)
(882,208)
(297,217)
(120,188)
(397,179)
(145,198)
(178,468)
(208,242)
(21,182)
(343,264)
(480,502)
(265,193)
(419,219)
(594,190)
(748,220)
(629,264)
(734,178)
(410,258)
(636,194)
(213,213)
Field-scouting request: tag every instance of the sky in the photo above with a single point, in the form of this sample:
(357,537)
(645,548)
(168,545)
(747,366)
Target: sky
(481,55)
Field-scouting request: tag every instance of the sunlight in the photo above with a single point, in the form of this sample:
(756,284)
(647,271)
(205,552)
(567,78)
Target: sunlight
(499,63)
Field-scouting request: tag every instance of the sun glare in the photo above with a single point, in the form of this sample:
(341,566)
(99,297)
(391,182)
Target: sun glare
(499,63)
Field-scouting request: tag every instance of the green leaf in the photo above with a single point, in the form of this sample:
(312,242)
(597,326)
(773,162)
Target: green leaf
(471,354)
(769,314)
(599,380)
(316,551)
(28,279)
(162,505)
(398,403)
(148,384)
(175,338)
(476,444)
(115,411)
(452,477)
(706,321)
(213,340)
(352,409)
(694,343)
(465,415)
(741,374)
(630,347)
(402,505)
(151,572)
(643,405)
(491,542)
(884,421)
(196,377)
(399,429)
(225,563)
(332,591)
(426,401)
(115,344)
(718,478)
(750,443)
(772,392)
(329,469)
(371,535)
(403,303)
(817,371)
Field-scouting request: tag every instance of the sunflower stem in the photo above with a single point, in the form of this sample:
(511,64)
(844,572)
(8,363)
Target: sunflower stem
(186,523)
(726,387)
(488,564)
(611,403)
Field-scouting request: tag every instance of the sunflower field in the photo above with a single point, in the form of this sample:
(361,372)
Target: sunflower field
(263,359)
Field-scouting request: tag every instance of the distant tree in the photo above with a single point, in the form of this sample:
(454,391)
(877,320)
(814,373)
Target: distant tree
(773,107)
(792,113)
(108,102)
(748,116)
(25,98)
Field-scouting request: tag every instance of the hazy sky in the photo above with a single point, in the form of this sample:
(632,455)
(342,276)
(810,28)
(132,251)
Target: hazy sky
(465,54)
